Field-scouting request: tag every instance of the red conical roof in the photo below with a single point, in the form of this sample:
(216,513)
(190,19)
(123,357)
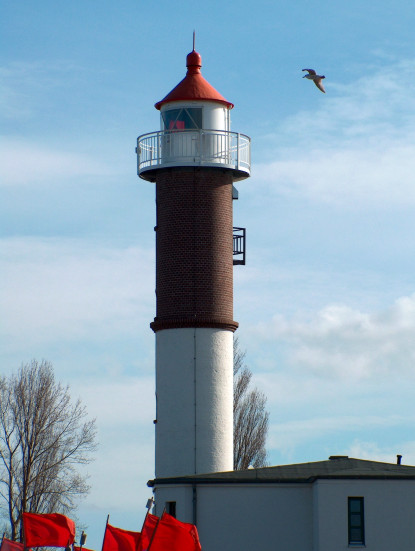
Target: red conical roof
(194,86)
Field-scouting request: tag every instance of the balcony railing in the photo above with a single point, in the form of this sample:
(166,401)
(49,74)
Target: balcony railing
(239,246)
(213,148)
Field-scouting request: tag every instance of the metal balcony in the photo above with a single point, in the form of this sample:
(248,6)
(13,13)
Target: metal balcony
(239,246)
(206,148)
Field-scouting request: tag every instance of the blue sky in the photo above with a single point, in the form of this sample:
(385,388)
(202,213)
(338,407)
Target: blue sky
(326,302)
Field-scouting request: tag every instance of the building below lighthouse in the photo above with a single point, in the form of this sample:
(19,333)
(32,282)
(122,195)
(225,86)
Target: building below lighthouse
(338,504)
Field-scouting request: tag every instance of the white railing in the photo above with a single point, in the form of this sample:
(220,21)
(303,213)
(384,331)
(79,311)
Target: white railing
(194,147)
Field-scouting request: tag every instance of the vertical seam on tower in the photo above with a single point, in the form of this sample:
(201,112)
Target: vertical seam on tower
(194,399)
(193,268)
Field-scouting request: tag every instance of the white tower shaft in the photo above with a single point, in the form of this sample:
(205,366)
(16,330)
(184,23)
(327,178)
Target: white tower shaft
(194,379)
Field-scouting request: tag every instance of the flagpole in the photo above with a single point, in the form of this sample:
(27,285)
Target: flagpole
(105,532)
(154,532)
(24,533)
(82,540)
(149,505)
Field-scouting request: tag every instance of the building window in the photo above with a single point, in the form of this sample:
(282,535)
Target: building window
(356,521)
(171,508)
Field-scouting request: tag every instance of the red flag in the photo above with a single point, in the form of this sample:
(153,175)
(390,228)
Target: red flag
(48,530)
(173,535)
(76,548)
(150,523)
(117,539)
(9,545)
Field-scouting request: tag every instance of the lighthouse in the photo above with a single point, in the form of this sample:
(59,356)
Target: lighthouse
(194,160)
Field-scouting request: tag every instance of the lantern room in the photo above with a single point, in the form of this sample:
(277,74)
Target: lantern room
(187,115)
(194,130)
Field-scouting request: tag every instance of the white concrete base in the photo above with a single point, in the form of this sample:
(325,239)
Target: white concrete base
(194,393)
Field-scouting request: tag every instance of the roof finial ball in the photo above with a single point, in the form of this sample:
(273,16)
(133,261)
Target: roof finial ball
(193,60)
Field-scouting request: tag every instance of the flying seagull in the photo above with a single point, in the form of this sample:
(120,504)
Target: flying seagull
(312,75)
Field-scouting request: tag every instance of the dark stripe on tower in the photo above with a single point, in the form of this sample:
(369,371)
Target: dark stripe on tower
(194,256)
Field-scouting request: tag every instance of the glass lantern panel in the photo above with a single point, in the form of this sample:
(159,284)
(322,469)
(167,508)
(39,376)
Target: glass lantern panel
(182,119)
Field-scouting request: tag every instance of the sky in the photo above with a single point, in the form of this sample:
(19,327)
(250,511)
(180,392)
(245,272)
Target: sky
(326,301)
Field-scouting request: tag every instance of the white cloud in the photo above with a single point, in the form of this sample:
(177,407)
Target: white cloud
(337,436)
(67,289)
(351,176)
(28,163)
(338,378)
(288,435)
(118,401)
(36,100)
(375,452)
(345,343)
(356,150)
(124,408)
(24,84)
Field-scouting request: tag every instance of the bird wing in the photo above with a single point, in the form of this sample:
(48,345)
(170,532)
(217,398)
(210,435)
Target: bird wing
(311,71)
(319,84)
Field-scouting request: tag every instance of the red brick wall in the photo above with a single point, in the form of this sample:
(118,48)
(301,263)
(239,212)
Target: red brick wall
(194,260)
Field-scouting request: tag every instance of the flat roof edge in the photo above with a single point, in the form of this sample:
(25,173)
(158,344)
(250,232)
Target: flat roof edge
(232,481)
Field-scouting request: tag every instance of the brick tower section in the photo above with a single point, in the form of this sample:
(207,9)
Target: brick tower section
(194,251)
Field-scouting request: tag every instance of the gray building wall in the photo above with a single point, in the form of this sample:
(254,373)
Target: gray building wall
(295,516)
